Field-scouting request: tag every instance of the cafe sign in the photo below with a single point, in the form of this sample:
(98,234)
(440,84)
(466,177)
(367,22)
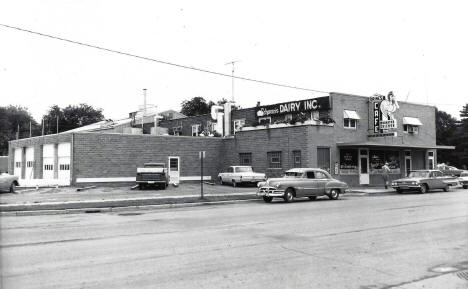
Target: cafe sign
(320,103)
(383,109)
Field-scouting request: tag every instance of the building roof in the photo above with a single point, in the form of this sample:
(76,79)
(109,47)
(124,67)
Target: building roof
(373,144)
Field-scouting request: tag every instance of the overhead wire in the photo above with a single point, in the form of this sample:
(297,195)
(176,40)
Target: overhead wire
(161,61)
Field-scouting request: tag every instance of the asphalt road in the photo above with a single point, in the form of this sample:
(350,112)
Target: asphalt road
(356,242)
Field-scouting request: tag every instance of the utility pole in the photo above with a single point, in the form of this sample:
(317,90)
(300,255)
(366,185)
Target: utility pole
(144,110)
(57,125)
(232,78)
(30,130)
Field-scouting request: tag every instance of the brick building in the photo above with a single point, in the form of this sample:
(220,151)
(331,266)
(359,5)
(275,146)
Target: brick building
(350,136)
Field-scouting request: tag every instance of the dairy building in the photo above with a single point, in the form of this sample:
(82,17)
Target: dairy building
(350,136)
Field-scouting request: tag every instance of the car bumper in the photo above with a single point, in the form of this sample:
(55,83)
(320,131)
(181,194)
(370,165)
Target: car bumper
(151,182)
(406,187)
(270,192)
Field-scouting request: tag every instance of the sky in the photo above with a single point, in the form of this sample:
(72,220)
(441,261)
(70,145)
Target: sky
(417,49)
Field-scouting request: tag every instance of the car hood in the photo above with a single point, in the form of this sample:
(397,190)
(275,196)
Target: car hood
(409,180)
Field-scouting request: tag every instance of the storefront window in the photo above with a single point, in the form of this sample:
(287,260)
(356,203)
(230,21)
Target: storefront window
(379,157)
(348,161)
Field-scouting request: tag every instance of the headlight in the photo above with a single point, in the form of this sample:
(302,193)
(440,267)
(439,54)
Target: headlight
(260,184)
(277,185)
(394,184)
(415,183)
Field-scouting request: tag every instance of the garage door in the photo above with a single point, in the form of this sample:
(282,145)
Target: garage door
(64,151)
(48,161)
(29,172)
(18,164)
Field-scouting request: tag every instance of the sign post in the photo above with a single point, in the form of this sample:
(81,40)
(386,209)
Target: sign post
(201,155)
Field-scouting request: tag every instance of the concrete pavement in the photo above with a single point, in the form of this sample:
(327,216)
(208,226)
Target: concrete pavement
(69,200)
(393,241)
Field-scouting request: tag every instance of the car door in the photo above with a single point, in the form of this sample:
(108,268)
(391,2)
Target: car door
(441,180)
(320,183)
(307,183)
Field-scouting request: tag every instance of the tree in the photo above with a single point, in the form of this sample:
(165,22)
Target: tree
(70,117)
(446,126)
(460,139)
(196,106)
(12,117)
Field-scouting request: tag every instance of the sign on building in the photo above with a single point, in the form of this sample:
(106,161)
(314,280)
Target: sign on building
(383,118)
(320,103)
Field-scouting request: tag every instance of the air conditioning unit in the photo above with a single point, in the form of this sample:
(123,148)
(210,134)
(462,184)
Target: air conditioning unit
(413,129)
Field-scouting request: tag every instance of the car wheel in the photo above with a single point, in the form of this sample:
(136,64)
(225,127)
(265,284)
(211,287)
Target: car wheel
(288,195)
(234,183)
(221,181)
(334,194)
(12,188)
(465,186)
(447,188)
(312,198)
(424,189)
(399,191)
(267,199)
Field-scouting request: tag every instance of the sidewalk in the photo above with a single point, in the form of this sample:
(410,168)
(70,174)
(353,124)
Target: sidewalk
(68,198)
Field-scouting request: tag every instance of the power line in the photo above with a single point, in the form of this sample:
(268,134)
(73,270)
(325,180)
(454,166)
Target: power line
(160,61)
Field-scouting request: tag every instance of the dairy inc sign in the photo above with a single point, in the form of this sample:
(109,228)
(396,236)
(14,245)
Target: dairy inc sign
(320,103)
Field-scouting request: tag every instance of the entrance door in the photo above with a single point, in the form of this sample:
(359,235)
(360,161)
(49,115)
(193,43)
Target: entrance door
(323,158)
(64,152)
(29,172)
(48,152)
(18,162)
(408,164)
(363,166)
(174,170)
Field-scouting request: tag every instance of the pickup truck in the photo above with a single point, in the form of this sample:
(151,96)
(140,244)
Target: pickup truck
(152,174)
(240,174)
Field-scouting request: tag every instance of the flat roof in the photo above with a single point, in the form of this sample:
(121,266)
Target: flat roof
(374,144)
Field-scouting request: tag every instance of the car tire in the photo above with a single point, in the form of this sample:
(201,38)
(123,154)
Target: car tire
(334,194)
(267,199)
(288,195)
(399,191)
(465,186)
(234,184)
(313,198)
(424,189)
(221,181)
(447,188)
(12,188)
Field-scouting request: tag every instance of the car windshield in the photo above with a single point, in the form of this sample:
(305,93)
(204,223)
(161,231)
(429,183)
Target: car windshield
(154,165)
(244,170)
(423,174)
(293,175)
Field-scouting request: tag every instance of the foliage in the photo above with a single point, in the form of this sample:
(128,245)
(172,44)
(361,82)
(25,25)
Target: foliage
(12,117)
(70,117)
(445,127)
(196,106)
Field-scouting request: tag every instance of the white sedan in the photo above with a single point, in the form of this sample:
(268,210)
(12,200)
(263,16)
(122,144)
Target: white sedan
(240,174)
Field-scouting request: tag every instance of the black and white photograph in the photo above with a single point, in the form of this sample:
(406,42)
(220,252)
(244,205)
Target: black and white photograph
(233,144)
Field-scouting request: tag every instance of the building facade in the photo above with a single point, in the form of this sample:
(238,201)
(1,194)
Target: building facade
(350,136)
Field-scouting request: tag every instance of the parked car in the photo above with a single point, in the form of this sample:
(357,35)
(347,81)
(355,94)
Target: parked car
(449,170)
(239,175)
(464,179)
(152,174)
(424,180)
(8,182)
(302,182)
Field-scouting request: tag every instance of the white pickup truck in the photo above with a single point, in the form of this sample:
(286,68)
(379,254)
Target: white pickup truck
(240,174)
(152,174)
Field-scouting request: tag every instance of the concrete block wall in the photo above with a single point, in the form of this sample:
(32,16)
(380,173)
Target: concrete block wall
(116,155)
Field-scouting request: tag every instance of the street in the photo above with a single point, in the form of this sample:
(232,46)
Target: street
(354,242)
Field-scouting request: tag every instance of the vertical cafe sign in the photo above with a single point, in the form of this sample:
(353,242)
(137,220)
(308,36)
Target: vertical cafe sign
(383,118)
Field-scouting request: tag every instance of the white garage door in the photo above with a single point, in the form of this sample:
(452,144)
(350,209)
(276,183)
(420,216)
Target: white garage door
(29,172)
(18,164)
(48,161)
(64,150)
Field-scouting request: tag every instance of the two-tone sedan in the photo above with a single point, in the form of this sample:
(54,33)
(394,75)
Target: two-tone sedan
(302,182)
(240,175)
(464,179)
(424,180)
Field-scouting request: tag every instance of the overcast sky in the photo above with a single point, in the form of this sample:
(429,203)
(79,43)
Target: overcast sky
(418,49)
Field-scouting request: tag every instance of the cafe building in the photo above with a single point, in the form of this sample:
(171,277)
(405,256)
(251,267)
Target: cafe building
(350,136)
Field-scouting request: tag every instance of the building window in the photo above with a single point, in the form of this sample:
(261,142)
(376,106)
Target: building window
(274,160)
(348,161)
(17,164)
(264,120)
(195,129)
(377,158)
(288,117)
(48,167)
(410,128)
(350,119)
(238,124)
(29,164)
(245,159)
(177,130)
(64,167)
(297,161)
